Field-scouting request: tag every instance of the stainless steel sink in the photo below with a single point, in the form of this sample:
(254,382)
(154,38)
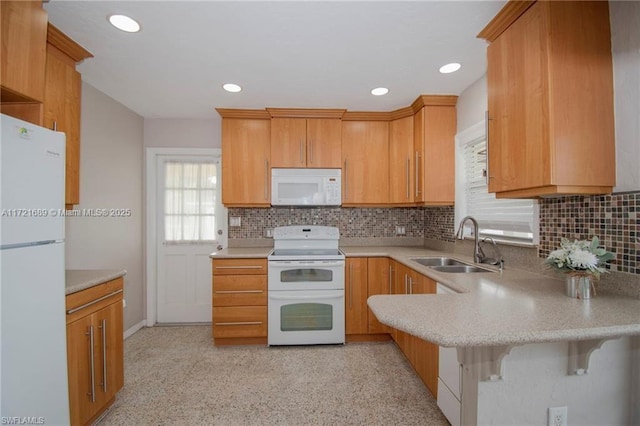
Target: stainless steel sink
(438,261)
(460,269)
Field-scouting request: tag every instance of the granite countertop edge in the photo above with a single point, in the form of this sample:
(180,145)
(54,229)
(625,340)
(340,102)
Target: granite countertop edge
(510,307)
(81,279)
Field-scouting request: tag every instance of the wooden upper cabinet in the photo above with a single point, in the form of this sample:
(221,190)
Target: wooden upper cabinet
(324,143)
(289,142)
(63,85)
(24,40)
(306,142)
(434,146)
(550,98)
(401,161)
(245,161)
(365,162)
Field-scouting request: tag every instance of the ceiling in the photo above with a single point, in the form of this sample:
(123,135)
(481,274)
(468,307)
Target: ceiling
(295,54)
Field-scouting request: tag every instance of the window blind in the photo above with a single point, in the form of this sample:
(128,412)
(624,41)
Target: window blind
(507,220)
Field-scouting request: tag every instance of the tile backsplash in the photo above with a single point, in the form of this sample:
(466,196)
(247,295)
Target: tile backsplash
(615,219)
(352,222)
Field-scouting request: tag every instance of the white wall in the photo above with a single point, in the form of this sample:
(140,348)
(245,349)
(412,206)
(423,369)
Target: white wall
(110,177)
(535,378)
(472,104)
(625,44)
(183,133)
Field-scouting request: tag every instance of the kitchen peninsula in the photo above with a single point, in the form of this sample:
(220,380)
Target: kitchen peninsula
(523,345)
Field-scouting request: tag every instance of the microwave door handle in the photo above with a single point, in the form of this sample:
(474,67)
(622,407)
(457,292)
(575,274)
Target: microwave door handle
(331,295)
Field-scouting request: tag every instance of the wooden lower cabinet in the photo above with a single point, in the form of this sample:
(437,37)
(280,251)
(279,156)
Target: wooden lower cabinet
(421,354)
(378,282)
(239,288)
(364,277)
(355,296)
(95,350)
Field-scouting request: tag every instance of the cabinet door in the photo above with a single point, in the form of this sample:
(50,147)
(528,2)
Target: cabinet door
(24,39)
(288,142)
(401,163)
(439,155)
(324,143)
(424,354)
(379,282)
(365,158)
(110,352)
(356,319)
(62,113)
(245,163)
(517,87)
(418,156)
(82,390)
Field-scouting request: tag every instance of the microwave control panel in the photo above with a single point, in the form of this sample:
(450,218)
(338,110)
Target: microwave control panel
(333,191)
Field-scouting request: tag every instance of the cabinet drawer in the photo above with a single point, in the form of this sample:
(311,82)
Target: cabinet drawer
(92,299)
(240,321)
(240,290)
(239,266)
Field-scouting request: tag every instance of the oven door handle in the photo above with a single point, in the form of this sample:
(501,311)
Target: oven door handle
(307,296)
(293,264)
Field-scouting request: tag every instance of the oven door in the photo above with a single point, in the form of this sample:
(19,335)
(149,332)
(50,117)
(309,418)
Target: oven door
(306,317)
(306,275)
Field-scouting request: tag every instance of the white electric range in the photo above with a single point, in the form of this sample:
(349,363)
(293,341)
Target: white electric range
(306,286)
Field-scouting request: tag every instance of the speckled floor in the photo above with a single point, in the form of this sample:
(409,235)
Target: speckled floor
(175,376)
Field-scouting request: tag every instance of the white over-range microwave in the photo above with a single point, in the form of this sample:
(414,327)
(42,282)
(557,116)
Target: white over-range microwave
(306,187)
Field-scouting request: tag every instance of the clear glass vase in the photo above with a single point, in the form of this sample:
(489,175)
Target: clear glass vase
(580,286)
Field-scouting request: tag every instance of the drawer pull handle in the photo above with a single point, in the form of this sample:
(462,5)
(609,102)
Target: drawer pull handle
(92,393)
(93,302)
(103,326)
(238,291)
(240,323)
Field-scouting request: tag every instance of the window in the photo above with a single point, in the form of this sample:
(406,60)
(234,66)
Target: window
(505,220)
(189,201)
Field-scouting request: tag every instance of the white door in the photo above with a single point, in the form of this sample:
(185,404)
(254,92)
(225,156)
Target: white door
(191,224)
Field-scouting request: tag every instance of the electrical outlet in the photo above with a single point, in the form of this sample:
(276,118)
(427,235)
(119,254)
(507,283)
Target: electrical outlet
(557,416)
(234,221)
(400,230)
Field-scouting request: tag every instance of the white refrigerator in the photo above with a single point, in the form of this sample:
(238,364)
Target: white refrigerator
(33,348)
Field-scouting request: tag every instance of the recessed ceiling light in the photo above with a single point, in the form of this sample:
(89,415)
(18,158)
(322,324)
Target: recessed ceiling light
(379,91)
(449,68)
(230,87)
(124,23)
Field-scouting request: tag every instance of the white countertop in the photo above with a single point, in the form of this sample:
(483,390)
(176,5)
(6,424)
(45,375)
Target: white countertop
(81,279)
(500,308)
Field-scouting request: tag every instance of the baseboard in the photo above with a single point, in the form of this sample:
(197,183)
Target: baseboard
(132,330)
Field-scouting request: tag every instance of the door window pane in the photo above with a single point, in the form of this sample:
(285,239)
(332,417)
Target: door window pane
(189,201)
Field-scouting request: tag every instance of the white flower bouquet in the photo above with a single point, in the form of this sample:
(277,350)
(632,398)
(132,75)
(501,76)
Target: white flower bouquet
(580,257)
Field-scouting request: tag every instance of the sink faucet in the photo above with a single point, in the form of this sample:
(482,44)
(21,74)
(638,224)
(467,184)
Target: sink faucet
(477,256)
